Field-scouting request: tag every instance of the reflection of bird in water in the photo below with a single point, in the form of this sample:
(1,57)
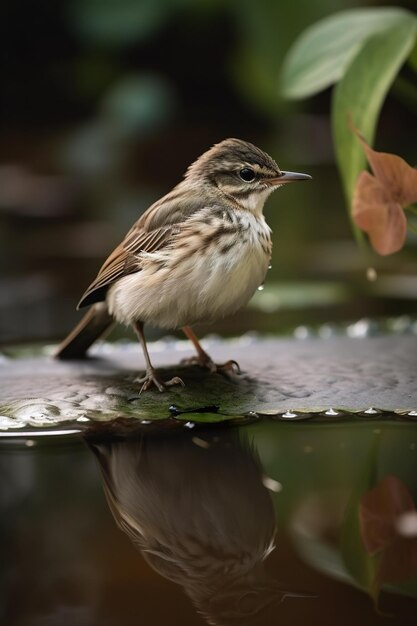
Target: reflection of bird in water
(198,510)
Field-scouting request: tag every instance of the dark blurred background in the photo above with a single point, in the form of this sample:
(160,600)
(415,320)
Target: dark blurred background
(104,103)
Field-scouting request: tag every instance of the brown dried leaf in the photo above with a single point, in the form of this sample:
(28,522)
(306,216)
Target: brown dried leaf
(379,510)
(398,562)
(397,177)
(378,215)
(378,200)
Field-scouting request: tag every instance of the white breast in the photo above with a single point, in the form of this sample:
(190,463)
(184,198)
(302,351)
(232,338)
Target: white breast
(191,283)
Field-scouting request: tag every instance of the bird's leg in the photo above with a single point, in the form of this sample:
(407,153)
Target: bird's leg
(151,377)
(204,360)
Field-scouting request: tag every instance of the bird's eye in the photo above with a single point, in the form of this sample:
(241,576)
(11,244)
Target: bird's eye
(247,174)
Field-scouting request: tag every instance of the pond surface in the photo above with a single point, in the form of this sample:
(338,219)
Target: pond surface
(265,523)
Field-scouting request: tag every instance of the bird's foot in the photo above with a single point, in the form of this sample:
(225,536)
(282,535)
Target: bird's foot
(152,378)
(203,360)
(230,367)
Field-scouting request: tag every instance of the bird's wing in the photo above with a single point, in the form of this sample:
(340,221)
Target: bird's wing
(153,231)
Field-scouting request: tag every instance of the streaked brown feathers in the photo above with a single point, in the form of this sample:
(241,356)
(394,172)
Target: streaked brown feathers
(159,225)
(153,231)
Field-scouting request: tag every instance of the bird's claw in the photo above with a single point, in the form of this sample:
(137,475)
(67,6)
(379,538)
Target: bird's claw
(151,378)
(230,367)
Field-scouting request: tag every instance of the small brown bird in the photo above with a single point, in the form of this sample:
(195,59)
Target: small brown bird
(199,512)
(197,254)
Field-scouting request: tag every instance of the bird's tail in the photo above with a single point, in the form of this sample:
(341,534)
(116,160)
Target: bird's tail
(95,323)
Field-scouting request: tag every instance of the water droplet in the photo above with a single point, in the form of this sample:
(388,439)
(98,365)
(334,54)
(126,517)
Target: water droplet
(270,267)
(189,424)
(361,328)
(288,415)
(145,422)
(82,418)
(302,332)
(401,324)
(326,331)
(261,288)
(271,484)
(371,412)
(406,524)
(371,274)
(201,443)
(331,412)
(29,443)
(412,413)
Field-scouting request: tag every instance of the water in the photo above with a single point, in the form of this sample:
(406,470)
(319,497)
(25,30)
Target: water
(268,523)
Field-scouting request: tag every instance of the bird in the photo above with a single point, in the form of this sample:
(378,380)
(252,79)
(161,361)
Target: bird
(196,255)
(198,510)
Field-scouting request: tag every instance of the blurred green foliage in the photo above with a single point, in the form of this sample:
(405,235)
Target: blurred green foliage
(362,51)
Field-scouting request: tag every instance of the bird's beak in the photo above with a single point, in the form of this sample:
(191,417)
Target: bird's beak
(288,177)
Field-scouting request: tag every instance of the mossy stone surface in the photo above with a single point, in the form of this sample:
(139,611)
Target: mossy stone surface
(278,376)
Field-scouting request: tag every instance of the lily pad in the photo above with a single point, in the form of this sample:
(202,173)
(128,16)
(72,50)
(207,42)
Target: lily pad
(282,379)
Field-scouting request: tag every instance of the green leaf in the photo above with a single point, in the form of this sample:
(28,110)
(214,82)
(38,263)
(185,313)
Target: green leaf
(361,92)
(257,59)
(321,55)
(360,565)
(412,60)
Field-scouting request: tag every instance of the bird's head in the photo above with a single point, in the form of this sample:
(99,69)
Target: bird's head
(241,171)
